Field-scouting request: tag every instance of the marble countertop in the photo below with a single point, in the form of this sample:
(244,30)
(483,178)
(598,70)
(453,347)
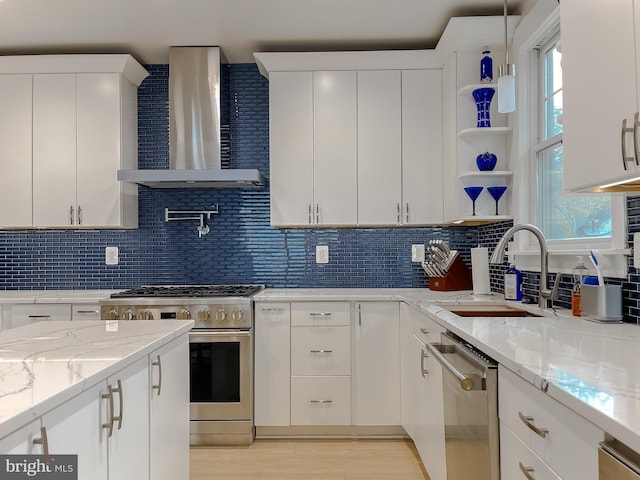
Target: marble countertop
(592,368)
(53,296)
(47,363)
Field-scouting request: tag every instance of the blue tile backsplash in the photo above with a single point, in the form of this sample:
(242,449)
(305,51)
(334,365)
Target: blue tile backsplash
(242,247)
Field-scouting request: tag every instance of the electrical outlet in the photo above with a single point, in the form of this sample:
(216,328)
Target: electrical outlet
(111,255)
(322,254)
(417,253)
(636,250)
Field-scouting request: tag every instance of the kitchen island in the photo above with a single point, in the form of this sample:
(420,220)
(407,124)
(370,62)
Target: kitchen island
(113,392)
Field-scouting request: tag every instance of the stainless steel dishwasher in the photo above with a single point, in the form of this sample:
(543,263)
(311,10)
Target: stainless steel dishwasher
(616,461)
(470,391)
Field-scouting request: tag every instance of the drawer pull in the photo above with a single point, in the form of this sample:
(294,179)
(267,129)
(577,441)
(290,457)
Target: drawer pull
(272,309)
(320,314)
(321,351)
(88,312)
(43,440)
(39,316)
(321,401)
(424,331)
(527,471)
(528,421)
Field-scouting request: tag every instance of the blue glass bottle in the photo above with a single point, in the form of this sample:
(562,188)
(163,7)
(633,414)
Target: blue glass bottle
(513,284)
(486,67)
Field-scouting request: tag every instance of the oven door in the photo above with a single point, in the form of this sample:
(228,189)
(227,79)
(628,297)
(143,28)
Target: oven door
(221,366)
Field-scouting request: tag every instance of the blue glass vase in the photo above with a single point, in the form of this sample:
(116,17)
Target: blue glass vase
(486,161)
(483,97)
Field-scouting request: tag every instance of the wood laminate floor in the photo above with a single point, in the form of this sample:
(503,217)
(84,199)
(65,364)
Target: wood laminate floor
(309,460)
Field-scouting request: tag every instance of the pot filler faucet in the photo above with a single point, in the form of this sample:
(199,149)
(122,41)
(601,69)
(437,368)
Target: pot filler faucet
(545,296)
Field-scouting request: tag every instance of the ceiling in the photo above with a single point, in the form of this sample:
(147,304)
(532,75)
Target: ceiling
(146,28)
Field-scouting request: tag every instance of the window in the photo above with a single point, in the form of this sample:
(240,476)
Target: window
(561,216)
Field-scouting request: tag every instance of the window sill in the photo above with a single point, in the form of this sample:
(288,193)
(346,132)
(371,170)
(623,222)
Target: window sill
(564,261)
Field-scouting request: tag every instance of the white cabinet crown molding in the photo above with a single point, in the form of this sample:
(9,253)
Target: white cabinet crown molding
(353,60)
(98,63)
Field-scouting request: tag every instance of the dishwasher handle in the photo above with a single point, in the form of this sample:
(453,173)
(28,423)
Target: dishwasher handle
(466,381)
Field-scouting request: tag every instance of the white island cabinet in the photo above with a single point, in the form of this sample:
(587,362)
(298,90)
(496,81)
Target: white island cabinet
(106,408)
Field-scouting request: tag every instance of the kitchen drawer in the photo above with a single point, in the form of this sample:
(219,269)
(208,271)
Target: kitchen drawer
(320,313)
(426,329)
(568,436)
(23,314)
(85,312)
(517,460)
(320,400)
(321,351)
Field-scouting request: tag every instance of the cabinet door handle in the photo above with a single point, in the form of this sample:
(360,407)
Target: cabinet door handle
(624,132)
(310,218)
(109,424)
(321,401)
(423,356)
(398,210)
(118,418)
(71,215)
(527,471)
(528,421)
(43,440)
(317,214)
(321,351)
(158,386)
(424,331)
(636,124)
(407,212)
(79,215)
(359,315)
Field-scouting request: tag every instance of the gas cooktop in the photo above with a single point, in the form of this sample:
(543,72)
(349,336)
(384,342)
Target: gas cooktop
(190,291)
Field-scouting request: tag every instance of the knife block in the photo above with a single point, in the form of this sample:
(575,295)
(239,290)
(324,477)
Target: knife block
(457,278)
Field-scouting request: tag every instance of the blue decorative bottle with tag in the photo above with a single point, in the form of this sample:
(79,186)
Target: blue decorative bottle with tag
(486,67)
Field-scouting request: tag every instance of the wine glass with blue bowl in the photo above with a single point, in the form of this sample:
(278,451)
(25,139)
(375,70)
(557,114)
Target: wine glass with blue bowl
(474,193)
(496,193)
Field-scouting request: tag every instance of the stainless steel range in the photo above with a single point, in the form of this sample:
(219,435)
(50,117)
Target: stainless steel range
(221,351)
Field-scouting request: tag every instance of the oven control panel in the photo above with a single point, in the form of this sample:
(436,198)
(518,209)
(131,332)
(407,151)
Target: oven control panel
(205,315)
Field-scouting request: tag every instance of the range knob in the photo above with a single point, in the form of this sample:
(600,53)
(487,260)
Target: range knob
(129,315)
(183,314)
(237,315)
(204,315)
(146,315)
(112,314)
(221,314)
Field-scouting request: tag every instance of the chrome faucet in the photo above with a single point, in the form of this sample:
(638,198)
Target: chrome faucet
(545,295)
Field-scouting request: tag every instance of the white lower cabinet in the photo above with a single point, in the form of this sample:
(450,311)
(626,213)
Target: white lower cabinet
(272,332)
(422,401)
(134,425)
(377,364)
(551,431)
(519,461)
(169,411)
(17,315)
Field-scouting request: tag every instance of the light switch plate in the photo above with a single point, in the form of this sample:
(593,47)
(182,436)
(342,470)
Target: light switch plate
(111,255)
(417,253)
(322,254)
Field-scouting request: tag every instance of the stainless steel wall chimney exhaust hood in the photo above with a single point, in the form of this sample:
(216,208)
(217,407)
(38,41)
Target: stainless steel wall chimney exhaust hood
(194,127)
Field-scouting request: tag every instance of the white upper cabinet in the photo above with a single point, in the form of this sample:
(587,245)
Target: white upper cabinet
(379,147)
(335,160)
(600,92)
(291,147)
(73,122)
(363,129)
(422,181)
(15,149)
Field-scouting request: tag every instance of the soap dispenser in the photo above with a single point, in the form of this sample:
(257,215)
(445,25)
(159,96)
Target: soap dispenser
(578,273)
(513,284)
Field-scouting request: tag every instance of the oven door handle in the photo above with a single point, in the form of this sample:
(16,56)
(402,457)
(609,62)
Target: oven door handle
(210,335)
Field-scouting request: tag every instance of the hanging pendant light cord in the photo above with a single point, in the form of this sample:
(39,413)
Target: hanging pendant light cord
(506,49)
